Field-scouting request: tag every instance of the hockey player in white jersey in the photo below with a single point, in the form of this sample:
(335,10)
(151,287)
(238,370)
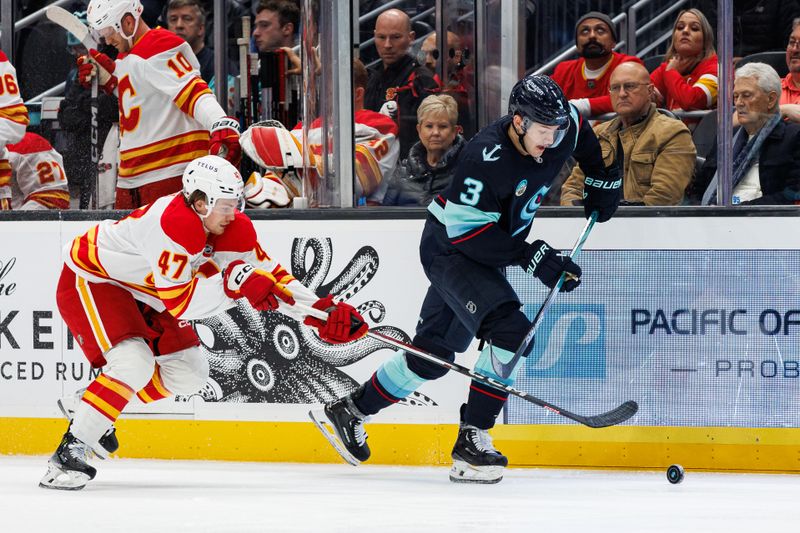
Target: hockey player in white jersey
(38,180)
(128,288)
(168,115)
(13,121)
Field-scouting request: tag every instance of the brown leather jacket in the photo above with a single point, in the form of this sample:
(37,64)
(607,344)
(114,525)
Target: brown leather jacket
(659,160)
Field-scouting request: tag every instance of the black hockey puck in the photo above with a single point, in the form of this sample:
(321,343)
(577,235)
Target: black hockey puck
(675,474)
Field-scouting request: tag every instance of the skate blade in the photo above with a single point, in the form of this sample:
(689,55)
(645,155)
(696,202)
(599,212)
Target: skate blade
(463,472)
(58,479)
(321,421)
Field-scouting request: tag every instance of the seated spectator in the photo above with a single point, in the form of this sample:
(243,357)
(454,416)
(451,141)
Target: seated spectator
(431,162)
(38,180)
(398,80)
(457,83)
(790,85)
(276,25)
(585,80)
(655,152)
(688,77)
(766,150)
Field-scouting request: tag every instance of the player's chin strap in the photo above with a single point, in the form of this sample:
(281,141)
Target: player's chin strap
(130,38)
(521,137)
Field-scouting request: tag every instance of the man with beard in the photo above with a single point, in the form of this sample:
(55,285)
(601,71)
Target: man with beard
(790,85)
(585,80)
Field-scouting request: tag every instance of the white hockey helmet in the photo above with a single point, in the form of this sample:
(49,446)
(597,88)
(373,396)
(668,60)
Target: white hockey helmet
(105,16)
(217,178)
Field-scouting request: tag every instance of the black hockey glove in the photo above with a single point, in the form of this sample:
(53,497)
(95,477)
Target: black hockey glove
(547,264)
(602,194)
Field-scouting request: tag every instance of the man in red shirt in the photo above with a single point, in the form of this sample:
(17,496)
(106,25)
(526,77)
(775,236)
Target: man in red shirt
(585,80)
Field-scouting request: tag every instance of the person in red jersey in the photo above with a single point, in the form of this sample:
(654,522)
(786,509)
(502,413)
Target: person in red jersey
(38,178)
(13,121)
(585,80)
(167,114)
(128,289)
(687,79)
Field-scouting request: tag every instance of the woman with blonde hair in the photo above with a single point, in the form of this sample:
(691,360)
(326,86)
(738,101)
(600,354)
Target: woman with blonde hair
(688,77)
(432,160)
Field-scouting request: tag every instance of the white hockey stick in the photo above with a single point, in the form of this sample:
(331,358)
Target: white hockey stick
(72,24)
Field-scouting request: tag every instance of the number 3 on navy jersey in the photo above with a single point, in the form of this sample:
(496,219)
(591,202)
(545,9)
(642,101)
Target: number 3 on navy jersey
(473,194)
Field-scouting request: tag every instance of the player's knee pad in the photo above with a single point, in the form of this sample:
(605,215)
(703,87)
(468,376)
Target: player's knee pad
(505,326)
(184,371)
(131,362)
(497,363)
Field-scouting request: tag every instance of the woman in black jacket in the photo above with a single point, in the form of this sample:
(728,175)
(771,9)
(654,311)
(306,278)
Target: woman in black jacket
(432,161)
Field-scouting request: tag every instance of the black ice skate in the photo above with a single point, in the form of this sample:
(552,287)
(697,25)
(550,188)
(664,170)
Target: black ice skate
(348,436)
(475,459)
(67,468)
(108,442)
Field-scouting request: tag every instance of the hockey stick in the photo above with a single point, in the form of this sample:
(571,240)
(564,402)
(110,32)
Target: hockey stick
(504,369)
(610,418)
(72,24)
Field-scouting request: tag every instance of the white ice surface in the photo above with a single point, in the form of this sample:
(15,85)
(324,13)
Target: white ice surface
(175,496)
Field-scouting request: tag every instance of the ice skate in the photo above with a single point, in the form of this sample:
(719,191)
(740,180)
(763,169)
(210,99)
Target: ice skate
(108,442)
(475,459)
(67,468)
(347,424)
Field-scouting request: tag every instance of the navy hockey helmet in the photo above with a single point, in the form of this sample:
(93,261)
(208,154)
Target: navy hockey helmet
(537,98)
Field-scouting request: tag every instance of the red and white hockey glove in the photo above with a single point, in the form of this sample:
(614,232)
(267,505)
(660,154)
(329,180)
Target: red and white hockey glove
(225,140)
(242,279)
(263,192)
(97,64)
(344,323)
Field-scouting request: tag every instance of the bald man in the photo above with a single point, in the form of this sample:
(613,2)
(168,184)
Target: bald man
(656,152)
(398,77)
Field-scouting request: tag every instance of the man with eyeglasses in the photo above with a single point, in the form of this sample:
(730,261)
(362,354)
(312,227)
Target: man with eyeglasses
(585,80)
(790,85)
(167,114)
(655,153)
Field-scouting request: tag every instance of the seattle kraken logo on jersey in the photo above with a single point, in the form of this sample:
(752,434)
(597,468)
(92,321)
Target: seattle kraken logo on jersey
(527,213)
(489,156)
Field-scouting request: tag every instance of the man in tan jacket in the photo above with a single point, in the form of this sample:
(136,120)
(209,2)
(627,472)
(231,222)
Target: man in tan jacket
(657,152)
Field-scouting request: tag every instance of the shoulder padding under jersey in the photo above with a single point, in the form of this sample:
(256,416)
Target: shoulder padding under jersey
(30,144)
(154,42)
(181,224)
(239,236)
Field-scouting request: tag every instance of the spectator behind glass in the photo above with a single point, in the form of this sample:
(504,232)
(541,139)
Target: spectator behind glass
(766,150)
(790,85)
(276,25)
(74,118)
(457,83)
(688,77)
(431,162)
(187,20)
(585,80)
(398,77)
(656,152)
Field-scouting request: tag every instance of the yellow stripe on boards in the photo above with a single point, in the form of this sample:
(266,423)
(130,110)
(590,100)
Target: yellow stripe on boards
(631,448)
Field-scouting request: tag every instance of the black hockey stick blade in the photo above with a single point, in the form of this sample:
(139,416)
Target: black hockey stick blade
(613,417)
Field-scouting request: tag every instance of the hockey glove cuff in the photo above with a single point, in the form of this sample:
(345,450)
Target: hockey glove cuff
(225,140)
(97,64)
(242,279)
(602,194)
(546,264)
(344,323)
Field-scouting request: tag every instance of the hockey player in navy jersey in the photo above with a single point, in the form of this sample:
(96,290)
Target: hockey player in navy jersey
(477,226)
